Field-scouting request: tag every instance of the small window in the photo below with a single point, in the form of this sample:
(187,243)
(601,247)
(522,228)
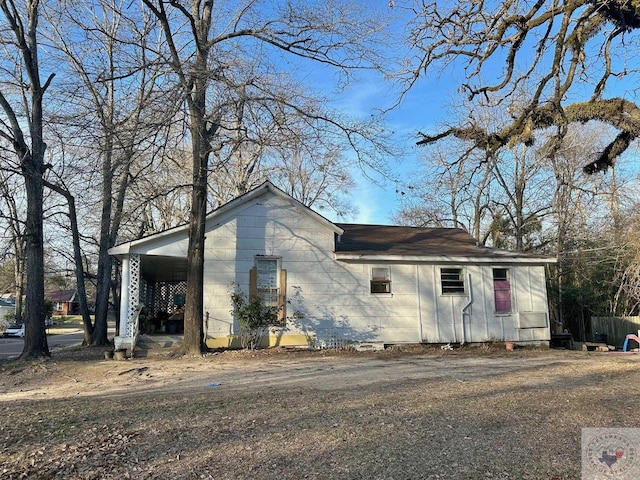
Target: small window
(452,281)
(380,280)
(502,290)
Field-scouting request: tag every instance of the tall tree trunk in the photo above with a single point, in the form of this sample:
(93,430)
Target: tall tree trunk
(99,336)
(35,340)
(194,309)
(79,269)
(77,257)
(31,158)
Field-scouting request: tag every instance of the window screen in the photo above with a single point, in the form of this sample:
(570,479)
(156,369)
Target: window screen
(267,280)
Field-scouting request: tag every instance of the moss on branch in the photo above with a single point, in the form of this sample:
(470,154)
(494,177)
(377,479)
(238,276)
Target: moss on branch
(617,112)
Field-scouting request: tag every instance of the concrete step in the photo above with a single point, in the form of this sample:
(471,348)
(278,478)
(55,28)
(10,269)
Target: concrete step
(161,340)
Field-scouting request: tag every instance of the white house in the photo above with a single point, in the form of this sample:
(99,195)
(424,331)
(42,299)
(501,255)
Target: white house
(339,283)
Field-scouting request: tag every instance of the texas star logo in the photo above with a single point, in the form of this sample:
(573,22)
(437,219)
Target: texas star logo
(611,453)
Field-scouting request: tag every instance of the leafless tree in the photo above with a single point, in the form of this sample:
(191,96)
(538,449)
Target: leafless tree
(21,101)
(12,215)
(450,193)
(207,45)
(114,114)
(265,135)
(320,179)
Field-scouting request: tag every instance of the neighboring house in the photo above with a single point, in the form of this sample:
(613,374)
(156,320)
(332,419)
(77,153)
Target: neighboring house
(339,283)
(7,306)
(65,302)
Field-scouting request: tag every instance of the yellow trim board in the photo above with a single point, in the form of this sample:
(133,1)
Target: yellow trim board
(284,340)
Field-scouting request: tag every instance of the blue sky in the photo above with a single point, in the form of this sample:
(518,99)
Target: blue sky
(420,110)
(423,107)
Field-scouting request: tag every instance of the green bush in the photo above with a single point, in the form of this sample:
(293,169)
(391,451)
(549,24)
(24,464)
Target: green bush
(253,316)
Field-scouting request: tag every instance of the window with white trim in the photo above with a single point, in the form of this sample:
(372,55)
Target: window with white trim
(380,280)
(269,281)
(452,281)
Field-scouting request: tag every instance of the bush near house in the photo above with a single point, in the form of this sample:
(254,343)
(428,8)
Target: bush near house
(253,316)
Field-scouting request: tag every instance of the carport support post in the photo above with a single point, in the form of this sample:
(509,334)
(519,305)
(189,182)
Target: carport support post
(129,300)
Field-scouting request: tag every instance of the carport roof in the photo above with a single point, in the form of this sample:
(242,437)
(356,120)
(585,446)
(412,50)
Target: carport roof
(159,268)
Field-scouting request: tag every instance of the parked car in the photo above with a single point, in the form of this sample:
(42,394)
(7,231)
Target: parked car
(15,330)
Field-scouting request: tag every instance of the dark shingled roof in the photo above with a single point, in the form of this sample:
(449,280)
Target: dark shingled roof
(60,295)
(394,240)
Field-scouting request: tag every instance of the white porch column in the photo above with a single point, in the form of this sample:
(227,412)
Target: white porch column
(129,300)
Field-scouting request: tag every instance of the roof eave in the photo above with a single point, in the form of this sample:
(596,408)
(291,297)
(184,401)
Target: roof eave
(120,250)
(440,258)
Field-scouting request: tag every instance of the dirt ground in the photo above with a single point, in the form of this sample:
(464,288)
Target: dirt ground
(412,413)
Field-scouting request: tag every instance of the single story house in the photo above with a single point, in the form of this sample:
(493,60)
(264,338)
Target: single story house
(65,302)
(339,283)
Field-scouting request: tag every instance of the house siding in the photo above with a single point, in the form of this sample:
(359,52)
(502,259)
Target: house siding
(329,301)
(442,315)
(326,299)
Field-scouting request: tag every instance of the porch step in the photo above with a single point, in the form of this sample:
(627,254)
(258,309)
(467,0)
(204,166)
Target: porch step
(159,340)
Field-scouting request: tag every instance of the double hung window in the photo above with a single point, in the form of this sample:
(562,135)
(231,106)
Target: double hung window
(268,280)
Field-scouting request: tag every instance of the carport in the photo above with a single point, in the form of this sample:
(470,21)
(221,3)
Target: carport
(156,282)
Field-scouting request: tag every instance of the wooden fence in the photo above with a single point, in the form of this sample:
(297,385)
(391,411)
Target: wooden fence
(615,328)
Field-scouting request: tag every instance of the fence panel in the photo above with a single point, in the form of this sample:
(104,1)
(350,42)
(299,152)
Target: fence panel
(615,328)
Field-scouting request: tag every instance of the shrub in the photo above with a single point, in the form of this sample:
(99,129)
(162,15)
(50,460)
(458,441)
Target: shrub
(253,316)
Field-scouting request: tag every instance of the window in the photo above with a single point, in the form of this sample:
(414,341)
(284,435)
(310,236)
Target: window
(269,281)
(380,280)
(452,281)
(502,290)
(267,284)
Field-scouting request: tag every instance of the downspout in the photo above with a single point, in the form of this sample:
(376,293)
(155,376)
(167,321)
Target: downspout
(463,311)
(420,332)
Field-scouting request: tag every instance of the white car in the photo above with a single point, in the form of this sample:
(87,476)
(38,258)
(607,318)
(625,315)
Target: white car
(15,330)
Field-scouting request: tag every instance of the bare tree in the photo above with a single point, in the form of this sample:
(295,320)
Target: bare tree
(159,200)
(207,42)
(12,214)
(79,271)
(266,135)
(523,196)
(115,114)
(21,101)
(320,179)
(450,193)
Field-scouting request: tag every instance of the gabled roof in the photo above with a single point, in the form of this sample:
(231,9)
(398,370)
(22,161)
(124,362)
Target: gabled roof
(267,186)
(380,242)
(61,296)
(356,242)
(260,190)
